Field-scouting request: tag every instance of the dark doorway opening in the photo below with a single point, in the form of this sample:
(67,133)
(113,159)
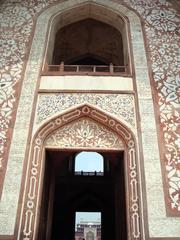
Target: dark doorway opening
(66,193)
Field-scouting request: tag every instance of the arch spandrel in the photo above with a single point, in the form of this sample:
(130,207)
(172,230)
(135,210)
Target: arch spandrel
(87,111)
(54,108)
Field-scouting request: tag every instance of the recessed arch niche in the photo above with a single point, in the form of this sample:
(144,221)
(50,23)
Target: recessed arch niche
(91,18)
(124,140)
(88,42)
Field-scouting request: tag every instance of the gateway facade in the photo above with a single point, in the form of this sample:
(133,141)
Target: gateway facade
(90,76)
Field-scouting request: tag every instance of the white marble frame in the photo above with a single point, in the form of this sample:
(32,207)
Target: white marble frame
(29,222)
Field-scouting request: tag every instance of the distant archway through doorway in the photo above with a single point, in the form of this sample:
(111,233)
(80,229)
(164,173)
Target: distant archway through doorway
(120,138)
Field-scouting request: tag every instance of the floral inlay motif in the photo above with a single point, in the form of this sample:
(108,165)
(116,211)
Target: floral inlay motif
(161,28)
(164,53)
(120,105)
(84,133)
(162,34)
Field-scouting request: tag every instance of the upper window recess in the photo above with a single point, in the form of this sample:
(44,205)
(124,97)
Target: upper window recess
(89,164)
(88,47)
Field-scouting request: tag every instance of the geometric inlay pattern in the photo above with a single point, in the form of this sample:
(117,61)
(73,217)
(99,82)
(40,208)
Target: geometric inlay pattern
(120,105)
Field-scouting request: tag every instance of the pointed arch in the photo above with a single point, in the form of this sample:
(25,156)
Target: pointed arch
(36,162)
(85,110)
(96,10)
(63,110)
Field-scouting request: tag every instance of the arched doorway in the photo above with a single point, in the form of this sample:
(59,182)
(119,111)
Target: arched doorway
(112,136)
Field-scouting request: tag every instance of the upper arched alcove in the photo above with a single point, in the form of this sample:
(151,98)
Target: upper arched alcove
(88,42)
(89,34)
